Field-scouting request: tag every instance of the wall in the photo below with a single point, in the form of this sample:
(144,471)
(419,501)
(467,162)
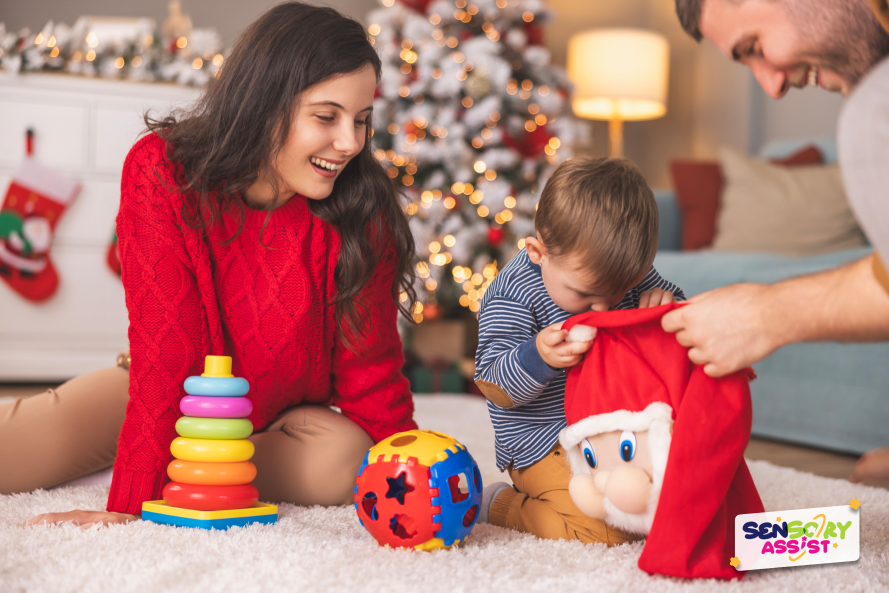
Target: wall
(711,102)
(803,112)
(723,103)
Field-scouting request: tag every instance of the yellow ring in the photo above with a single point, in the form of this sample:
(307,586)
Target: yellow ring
(189,449)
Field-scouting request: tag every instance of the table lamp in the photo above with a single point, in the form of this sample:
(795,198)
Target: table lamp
(618,75)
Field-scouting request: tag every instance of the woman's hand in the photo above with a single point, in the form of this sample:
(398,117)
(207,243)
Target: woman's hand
(85,519)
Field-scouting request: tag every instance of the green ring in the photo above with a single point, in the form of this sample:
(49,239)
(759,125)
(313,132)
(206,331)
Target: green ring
(214,428)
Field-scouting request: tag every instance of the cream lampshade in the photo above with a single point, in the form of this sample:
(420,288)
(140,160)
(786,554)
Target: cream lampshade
(619,75)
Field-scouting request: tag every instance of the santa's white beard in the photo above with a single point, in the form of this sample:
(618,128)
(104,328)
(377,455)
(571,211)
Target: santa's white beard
(630,522)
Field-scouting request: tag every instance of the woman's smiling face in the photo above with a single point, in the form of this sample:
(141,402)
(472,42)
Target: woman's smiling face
(328,129)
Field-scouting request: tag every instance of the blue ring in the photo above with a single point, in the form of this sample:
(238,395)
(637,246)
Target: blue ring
(217,386)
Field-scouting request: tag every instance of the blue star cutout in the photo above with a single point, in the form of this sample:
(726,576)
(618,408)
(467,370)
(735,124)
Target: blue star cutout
(398,487)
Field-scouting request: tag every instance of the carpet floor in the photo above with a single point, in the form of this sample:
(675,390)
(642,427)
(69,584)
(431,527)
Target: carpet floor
(326,549)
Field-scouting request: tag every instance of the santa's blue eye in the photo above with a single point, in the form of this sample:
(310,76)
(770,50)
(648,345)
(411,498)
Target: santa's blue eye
(627,445)
(589,454)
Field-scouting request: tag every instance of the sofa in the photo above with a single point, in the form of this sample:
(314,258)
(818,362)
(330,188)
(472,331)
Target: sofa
(826,395)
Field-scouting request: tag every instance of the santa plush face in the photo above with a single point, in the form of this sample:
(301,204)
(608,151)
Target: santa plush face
(618,472)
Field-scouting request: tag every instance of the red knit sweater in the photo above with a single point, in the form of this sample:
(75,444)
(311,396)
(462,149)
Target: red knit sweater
(189,295)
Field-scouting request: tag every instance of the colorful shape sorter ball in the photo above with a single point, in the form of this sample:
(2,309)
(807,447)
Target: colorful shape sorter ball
(418,489)
(211,473)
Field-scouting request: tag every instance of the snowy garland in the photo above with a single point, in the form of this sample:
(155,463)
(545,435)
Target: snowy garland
(470,118)
(140,54)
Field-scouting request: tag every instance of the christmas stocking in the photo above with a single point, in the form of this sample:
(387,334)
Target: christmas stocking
(112,256)
(35,200)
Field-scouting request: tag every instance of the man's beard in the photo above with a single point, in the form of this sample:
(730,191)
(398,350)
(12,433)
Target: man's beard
(849,38)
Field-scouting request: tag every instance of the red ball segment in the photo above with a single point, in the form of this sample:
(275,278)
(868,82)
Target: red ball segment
(210,498)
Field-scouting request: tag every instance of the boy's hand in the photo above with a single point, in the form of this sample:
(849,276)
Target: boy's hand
(555,351)
(655,298)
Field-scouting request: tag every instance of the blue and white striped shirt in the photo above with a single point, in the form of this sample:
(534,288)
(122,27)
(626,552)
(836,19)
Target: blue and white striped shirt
(514,309)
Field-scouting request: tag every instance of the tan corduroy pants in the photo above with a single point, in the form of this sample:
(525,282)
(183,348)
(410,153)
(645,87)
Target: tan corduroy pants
(542,505)
(309,455)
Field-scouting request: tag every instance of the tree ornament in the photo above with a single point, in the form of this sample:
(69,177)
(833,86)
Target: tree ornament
(529,144)
(431,311)
(418,5)
(534,33)
(495,236)
(478,85)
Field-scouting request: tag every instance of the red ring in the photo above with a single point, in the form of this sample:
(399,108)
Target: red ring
(199,497)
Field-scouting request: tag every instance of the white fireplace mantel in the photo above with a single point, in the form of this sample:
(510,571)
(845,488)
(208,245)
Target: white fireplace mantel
(83,127)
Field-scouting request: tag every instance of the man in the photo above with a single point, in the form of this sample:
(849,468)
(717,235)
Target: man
(841,45)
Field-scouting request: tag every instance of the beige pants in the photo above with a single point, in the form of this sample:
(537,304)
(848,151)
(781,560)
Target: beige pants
(309,455)
(542,505)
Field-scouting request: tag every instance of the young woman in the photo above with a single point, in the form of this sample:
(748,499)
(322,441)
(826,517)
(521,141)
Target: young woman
(259,226)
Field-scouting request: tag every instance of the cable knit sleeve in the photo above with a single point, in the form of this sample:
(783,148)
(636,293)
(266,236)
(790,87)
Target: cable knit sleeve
(368,385)
(167,326)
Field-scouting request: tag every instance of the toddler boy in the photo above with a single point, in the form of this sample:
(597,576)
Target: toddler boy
(597,234)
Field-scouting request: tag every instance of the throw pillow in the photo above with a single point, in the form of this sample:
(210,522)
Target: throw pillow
(792,211)
(698,186)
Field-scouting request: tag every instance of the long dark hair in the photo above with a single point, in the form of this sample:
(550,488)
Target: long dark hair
(236,129)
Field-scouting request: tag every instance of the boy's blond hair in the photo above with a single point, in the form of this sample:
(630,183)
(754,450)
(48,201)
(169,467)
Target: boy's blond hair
(600,214)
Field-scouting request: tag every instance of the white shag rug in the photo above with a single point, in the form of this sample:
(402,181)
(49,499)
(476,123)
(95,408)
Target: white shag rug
(326,549)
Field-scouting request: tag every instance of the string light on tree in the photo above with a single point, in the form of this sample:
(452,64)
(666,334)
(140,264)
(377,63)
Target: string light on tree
(471,118)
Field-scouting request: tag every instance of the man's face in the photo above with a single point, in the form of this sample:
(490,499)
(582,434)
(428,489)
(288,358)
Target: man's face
(792,43)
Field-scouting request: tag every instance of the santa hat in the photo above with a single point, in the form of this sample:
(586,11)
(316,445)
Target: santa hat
(637,377)
(620,398)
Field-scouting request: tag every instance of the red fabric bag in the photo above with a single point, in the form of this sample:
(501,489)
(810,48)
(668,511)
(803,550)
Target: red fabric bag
(633,362)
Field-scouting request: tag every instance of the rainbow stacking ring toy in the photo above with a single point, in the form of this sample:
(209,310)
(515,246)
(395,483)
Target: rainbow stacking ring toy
(211,473)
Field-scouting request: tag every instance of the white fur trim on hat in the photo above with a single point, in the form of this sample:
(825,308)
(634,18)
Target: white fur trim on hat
(656,418)
(572,434)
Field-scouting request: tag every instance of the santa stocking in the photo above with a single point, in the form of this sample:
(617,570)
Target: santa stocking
(35,200)
(112,256)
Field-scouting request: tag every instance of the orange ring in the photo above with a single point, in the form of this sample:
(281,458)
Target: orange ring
(211,474)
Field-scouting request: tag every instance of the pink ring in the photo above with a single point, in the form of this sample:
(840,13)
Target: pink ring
(199,406)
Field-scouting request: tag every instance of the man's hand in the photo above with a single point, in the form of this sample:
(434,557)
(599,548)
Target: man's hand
(730,328)
(655,298)
(726,328)
(84,519)
(555,351)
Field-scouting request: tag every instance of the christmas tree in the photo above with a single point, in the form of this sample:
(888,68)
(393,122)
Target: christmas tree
(471,118)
